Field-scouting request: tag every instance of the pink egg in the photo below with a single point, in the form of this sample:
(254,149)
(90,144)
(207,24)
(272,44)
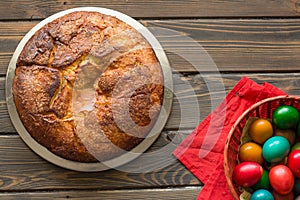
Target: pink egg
(246,174)
(281,179)
(294,162)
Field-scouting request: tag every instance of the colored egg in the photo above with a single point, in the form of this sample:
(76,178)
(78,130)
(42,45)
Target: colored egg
(294,162)
(281,179)
(296,146)
(260,130)
(289,134)
(251,151)
(246,174)
(285,117)
(262,194)
(298,129)
(297,187)
(289,196)
(275,149)
(264,182)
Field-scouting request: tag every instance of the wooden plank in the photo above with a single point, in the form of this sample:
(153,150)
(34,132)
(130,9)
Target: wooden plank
(21,169)
(233,45)
(182,193)
(37,9)
(191,92)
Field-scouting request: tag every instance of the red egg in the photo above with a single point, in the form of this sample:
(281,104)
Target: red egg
(289,196)
(281,179)
(294,162)
(246,174)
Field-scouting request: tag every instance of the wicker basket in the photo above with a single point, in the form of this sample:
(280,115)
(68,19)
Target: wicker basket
(263,109)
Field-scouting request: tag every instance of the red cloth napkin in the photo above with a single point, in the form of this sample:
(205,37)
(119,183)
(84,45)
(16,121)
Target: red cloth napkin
(202,151)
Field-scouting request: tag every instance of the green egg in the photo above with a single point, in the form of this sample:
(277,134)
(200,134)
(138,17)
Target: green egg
(285,117)
(264,182)
(296,146)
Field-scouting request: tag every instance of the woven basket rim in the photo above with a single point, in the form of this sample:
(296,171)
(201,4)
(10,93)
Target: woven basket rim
(245,113)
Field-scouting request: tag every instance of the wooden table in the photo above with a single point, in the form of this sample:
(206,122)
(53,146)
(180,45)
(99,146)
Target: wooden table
(258,38)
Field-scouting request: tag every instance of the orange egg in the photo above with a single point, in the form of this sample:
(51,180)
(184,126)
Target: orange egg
(251,151)
(261,130)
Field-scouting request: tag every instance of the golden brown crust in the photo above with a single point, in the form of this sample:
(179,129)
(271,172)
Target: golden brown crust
(38,50)
(88,87)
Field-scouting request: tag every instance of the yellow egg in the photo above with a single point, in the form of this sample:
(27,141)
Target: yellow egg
(261,130)
(251,151)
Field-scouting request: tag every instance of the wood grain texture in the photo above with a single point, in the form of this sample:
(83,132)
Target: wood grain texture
(21,169)
(182,193)
(233,45)
(37,9)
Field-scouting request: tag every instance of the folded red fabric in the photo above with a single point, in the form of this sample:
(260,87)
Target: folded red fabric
(202,151)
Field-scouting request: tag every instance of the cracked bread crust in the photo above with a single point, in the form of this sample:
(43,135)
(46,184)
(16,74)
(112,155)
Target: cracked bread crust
(88,87)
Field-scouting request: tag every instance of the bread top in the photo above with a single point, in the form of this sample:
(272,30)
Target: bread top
(88,87)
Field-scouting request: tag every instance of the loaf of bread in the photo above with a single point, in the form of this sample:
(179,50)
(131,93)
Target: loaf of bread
(88,87)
